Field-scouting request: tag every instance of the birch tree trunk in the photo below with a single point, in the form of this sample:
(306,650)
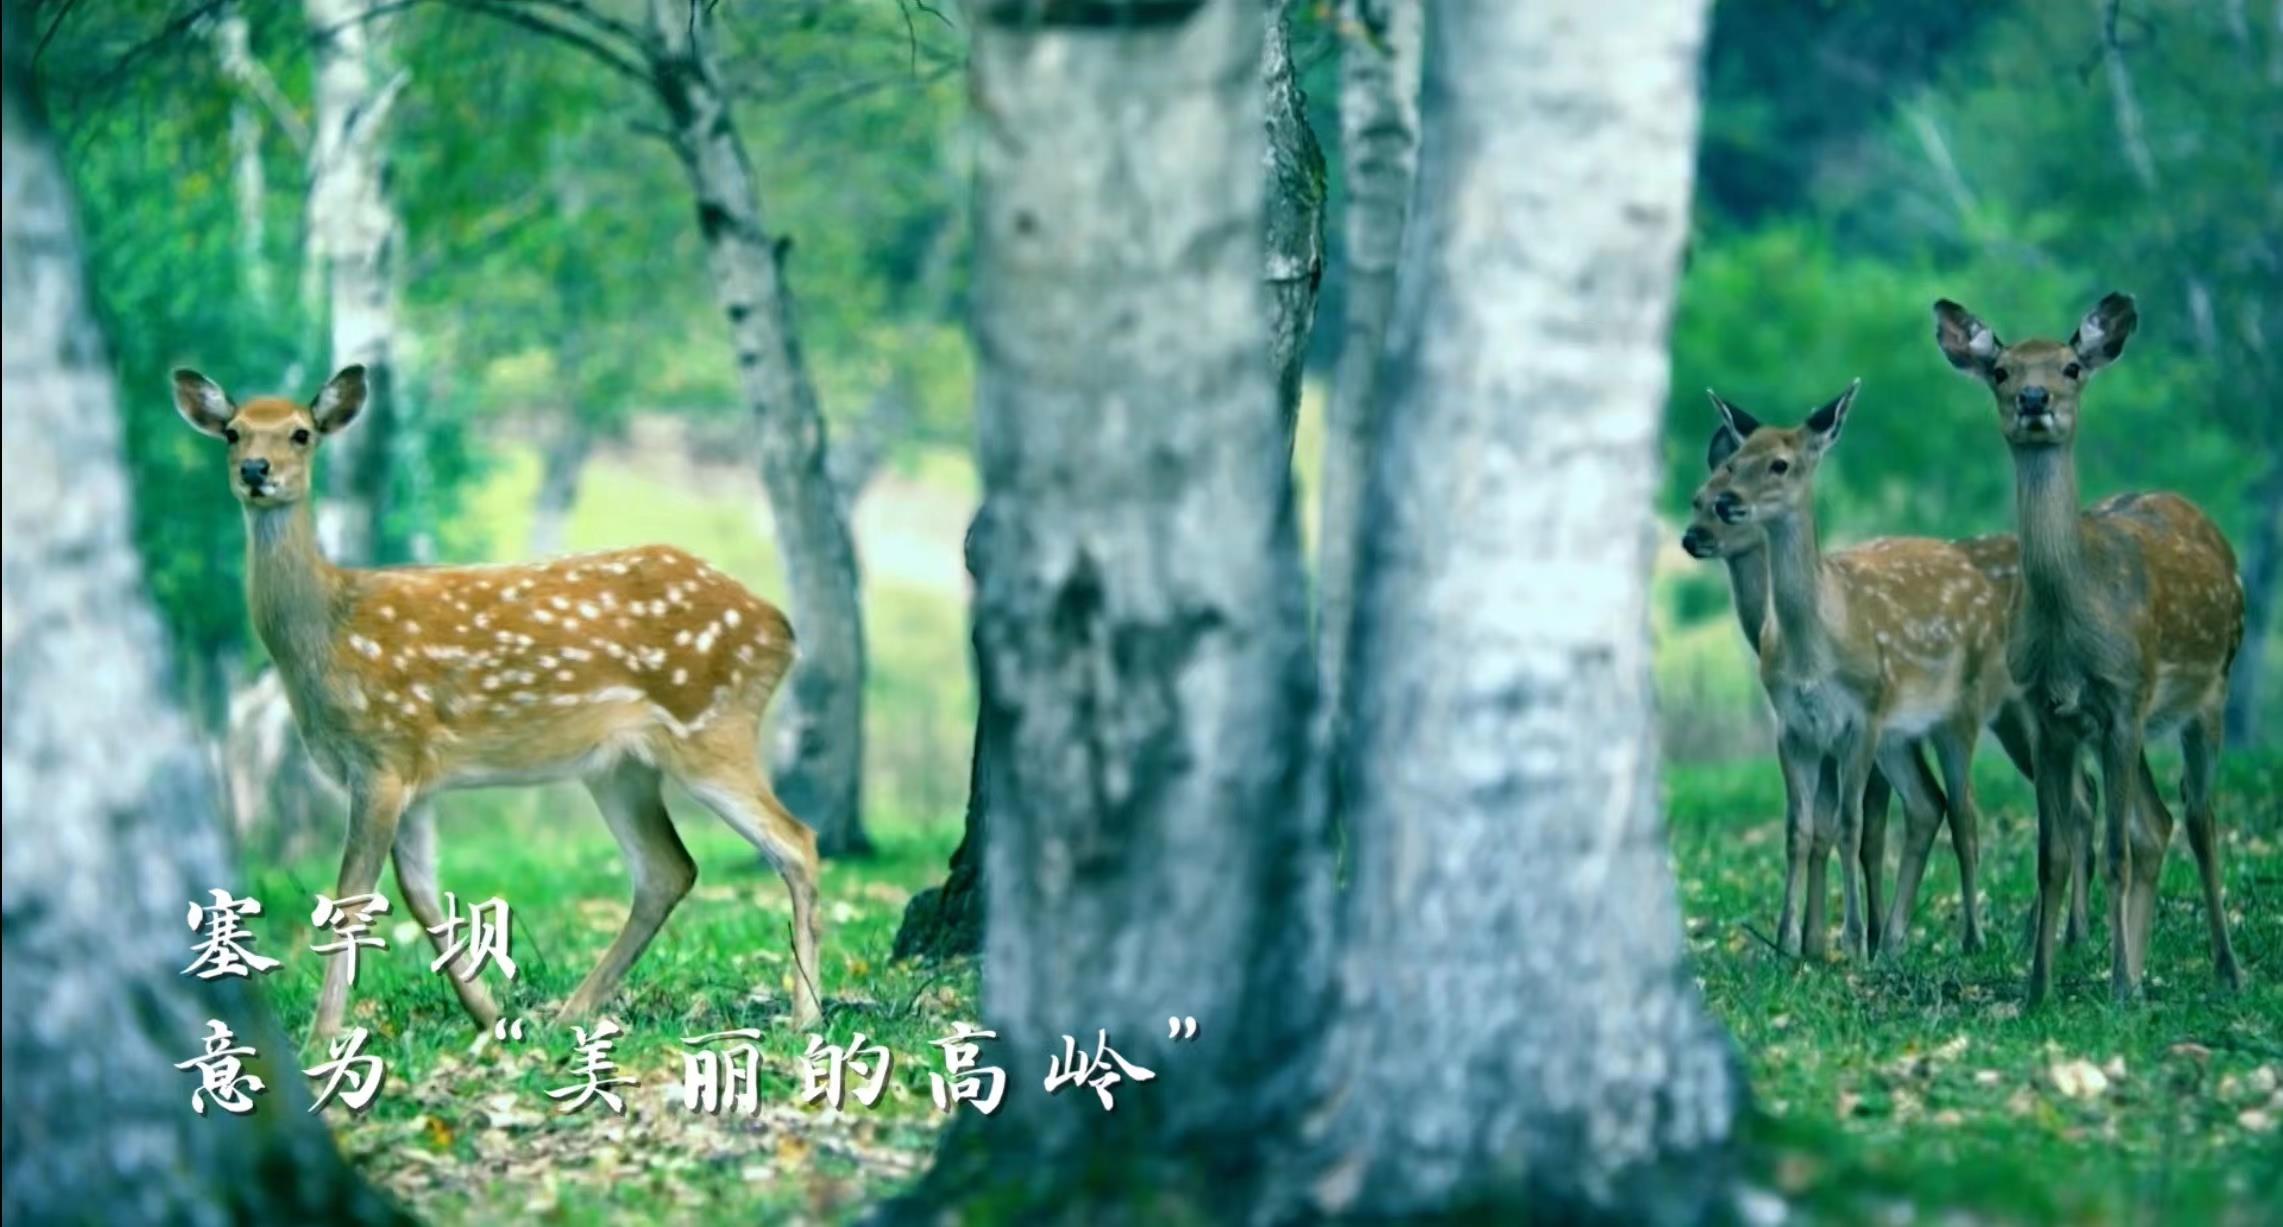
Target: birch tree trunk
(1295,268)
(821,770)
(1513,915)
(355,239)
(947,921)
(108,816)
(2262,577)
(1379,144)
(561,465)
(249,184)
(1151,850)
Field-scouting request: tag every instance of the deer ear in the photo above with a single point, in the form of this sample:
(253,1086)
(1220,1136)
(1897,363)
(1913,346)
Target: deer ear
(340,401)
(1735,419)
(2101,336)
(201,402)
(1824,425)
(1723,444)
(1966,341)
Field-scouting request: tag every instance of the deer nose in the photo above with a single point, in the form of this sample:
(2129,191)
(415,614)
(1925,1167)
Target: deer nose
(2034,400)
(1696,542)
(253,472)
(1728,507)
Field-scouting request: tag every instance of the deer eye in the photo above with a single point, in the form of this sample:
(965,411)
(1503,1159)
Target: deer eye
(230,435)
(1779,466)
(301,437)
(1998,375)
(2073,371)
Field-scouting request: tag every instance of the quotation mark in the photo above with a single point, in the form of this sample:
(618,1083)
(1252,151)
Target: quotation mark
(504,1030)
(1184,1028)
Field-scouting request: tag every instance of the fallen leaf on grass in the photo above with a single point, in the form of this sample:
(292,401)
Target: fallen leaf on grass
(2077,1078)
(2258,1120)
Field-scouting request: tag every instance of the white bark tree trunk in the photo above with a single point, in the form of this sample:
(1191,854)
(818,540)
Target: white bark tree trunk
(561,465)
(350,277)
(1513,913)
(108,815)
(1379,145)
(249,183)
(1295,164)
(1151,847)
(820,771)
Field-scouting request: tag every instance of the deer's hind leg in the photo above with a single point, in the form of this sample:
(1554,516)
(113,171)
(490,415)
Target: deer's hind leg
(376,802)
(725,773)
(1954,747)
(628,795)
(2200,751)
(415,859)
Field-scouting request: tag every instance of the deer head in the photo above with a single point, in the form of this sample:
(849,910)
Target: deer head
(2037,383)
(1708,536)
(273,440)
(1771,474)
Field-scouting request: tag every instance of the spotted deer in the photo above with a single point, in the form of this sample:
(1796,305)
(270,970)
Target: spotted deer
(618,669)
(2127,619)
(1742,547)
(1863,654)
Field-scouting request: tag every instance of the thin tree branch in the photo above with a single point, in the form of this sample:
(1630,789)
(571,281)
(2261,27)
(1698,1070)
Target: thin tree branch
(633,66)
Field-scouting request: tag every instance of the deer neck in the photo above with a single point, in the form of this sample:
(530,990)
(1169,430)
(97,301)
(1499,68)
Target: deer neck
(1748,584)
(291,590)
(1795,591)
(2052,534)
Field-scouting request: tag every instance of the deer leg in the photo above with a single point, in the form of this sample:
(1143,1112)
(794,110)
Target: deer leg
(2151,835)
(415,860)
(2056,764)
(733,788)
(1854,770)
(1873,853)
(1922,807)
(1954,747)
(661,867)
(1799,770)
(2200,751)
(375,803)
(2081,858)
(2126,815)
(1821,834)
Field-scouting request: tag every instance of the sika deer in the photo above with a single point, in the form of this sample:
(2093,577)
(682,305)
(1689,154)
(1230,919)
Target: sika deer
(1862,655)
(2128,617)
(617,669)
(1742,547)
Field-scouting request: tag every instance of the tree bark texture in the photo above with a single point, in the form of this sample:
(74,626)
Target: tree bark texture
(2262,578)
(561,465)
(1530,1032)
(1379,147)
(1153,850)
(249,184)
(820,775)
(355,241)
(947,921)
(1295,268)
(108,814)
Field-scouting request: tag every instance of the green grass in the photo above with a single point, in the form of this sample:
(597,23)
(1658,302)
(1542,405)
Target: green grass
(1915,1087)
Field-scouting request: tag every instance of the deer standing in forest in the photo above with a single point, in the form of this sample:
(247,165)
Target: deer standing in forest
(2128,618)
(618,669)
(1742,547)
(1863,654)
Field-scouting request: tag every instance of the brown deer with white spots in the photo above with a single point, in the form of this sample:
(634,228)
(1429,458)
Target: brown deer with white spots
(618,669)
(2130,613)
(1864,654)
(1742,547)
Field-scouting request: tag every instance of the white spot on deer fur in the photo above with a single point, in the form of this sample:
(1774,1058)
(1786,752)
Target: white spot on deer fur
(422,693)
(681,676)
(411,710)
(358,700)
(729,617)
(682,638)
(745,652)
(562,675)
(491,681)
(546,661)
(609,600)
(542,615)
(504,636)
(483,621)
(559,602)
(365,647)
(570,624)
(524,697)
(587,610)
(565,700)
(705,641)
(462,606)
(388,613)
(577,654)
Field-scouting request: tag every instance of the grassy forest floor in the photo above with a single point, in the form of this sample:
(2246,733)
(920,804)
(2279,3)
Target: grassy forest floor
(1894,1093)
(1919,1085)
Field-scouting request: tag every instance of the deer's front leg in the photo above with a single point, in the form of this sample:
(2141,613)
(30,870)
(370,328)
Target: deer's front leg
(2057,844)
(376,801)
(1854,770)
(2133,853)
(1799,764)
